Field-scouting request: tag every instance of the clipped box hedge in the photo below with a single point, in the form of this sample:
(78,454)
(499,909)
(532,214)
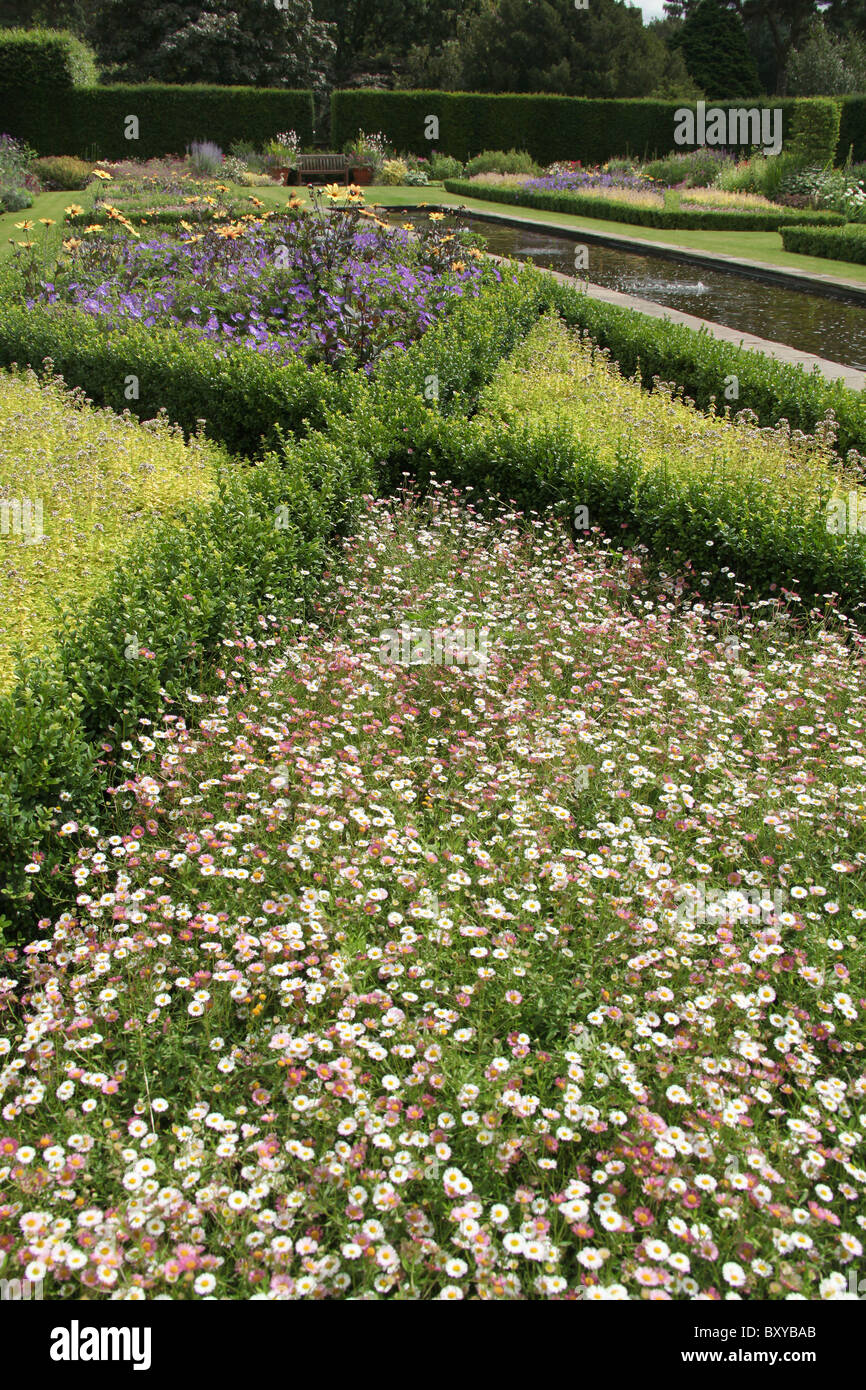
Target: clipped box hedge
(184,590)
(92,122)
(846,243)
(550,127)
(608,210)
(245,397)
(464,350)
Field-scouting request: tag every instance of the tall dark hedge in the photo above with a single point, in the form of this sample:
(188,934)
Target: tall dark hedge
(91,121)
(549,127)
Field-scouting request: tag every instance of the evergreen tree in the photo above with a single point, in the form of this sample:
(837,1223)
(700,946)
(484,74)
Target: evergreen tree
(715,48)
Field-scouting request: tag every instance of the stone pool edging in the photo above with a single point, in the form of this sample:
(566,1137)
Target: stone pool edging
(830,286)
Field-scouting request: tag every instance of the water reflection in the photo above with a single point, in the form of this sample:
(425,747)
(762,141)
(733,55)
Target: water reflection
(827,327)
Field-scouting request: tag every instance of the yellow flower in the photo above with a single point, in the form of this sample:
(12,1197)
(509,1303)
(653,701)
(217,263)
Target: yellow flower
(333,190)
(101,174)
(72,243)
(74,210)
(24,226)
(458,266)
(407,227)
(436,216)
(256,202)
(184,225)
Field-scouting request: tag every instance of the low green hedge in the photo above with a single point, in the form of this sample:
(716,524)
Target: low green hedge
(846,243)
(183,590)
(245,397)
(463,351)
(713,529)
(696,219)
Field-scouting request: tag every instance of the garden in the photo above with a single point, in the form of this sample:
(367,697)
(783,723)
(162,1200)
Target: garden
(432,742)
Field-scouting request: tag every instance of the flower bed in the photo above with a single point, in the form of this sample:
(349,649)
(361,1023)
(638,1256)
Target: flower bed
(588,204)
(326,287)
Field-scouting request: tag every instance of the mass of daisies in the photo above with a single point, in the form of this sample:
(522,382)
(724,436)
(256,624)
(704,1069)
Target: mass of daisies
(528,966)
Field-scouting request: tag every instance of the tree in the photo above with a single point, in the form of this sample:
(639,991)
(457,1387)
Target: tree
(377,35)
(827,64)
(248,42)
(550,46)
(779,26)
(48,14)
(713,43)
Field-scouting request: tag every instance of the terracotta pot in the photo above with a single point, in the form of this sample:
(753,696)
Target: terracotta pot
(361,174)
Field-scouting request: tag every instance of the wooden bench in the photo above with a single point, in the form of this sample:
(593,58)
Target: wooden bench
(325,168)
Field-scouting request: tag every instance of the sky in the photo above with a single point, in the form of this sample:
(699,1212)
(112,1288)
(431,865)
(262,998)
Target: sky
(652,9)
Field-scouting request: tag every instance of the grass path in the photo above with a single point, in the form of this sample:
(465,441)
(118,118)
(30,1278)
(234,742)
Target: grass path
(530,978)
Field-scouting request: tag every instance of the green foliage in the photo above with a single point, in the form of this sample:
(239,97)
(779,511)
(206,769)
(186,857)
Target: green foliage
(605,51)
(550,127)
(394,172)
(716,52)
(852,128)
(63,172)
(244,397)
(696,168)
(500,162)
(93,121)
(43,65)
(442,167)
(582,205)
(255,42)
(15,199)
(465,349)
(827,64)
(846,243)
(180,591)
(814,132)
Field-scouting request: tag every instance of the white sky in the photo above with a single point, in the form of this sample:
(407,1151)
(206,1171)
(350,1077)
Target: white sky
(652,9)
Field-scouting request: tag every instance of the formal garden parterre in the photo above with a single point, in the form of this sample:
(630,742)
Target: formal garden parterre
(329,972)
